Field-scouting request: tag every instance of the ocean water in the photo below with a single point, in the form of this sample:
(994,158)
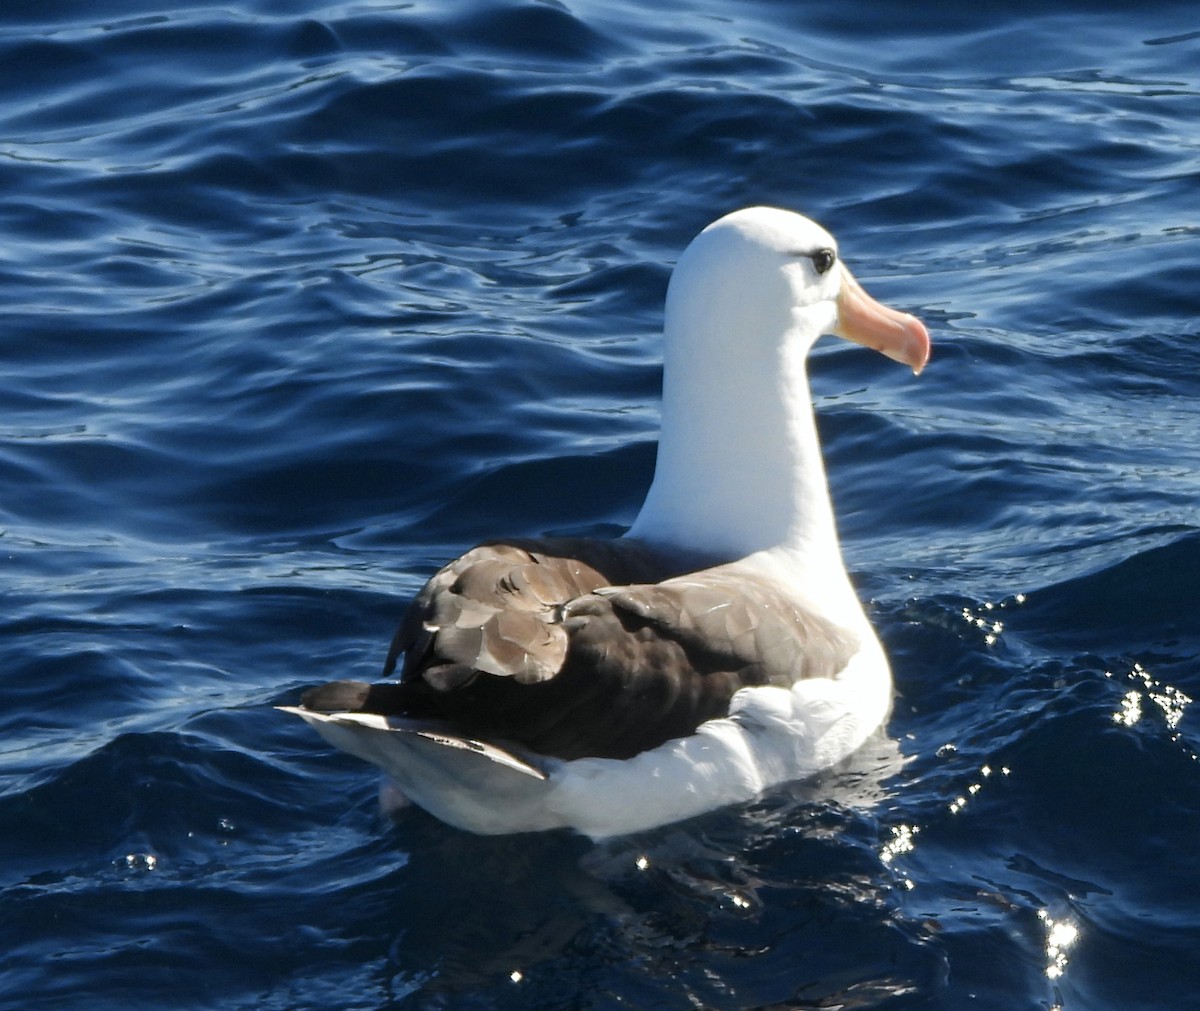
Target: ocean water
(299,299)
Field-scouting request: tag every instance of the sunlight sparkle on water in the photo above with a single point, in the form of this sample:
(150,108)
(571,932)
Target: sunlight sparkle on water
(985,772)
(981,617)
(1060,936)
(1169,699)
(139,861)
(1130,711)
(901,842)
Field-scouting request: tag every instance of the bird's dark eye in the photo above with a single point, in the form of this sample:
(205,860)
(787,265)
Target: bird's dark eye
(823,260)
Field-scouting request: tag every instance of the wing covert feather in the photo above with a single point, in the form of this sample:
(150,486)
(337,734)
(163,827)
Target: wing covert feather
(578,648)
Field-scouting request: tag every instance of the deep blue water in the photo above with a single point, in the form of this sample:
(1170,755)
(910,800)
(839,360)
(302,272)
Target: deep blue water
(299,299)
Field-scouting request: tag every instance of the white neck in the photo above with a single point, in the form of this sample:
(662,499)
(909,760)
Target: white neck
(739,467)
(740,478)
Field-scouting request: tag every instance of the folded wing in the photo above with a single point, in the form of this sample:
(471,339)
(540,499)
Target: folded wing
(575,648)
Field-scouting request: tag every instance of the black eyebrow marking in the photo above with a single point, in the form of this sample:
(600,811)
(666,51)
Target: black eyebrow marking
(823,259)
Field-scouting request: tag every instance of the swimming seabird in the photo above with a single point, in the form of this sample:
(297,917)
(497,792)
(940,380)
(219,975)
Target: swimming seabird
(717,648)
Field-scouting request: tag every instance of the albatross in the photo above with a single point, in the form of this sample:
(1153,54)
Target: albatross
(716,649)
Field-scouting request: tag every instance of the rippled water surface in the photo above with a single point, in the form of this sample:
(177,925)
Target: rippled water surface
(300,298)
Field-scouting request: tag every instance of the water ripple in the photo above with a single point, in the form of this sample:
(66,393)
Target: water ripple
(301,299)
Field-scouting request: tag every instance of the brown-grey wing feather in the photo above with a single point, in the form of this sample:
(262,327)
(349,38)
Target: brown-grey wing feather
(495,609)
(733,620)
(648,663)
(591,648)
